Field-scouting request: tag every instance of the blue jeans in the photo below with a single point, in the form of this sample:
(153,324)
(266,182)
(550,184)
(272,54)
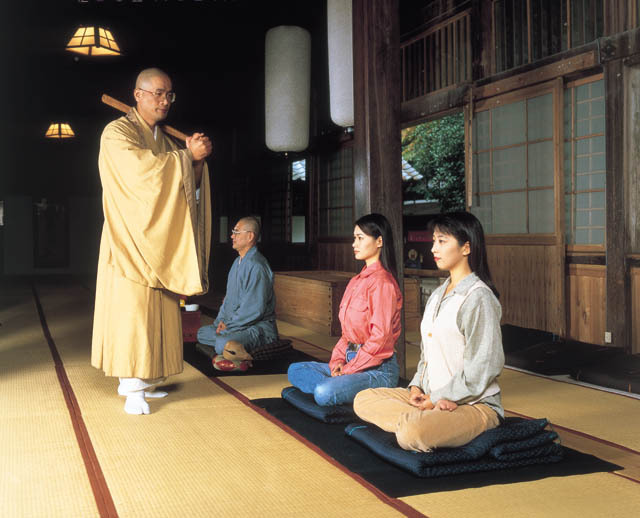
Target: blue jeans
(315,378)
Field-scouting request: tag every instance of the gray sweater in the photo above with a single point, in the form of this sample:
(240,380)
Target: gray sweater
(479,322)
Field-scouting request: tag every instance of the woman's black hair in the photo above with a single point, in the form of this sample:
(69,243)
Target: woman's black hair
(465,227)
(376,225)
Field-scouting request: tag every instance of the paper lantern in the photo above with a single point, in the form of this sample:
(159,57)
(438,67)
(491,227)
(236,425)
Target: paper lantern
(59,130)
(287,88)
(340,30)
(93,41)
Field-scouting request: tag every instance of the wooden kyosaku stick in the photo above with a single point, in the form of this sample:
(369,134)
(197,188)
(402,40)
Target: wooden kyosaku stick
(118,105)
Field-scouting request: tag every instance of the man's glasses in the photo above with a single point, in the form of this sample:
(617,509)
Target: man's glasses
(159,94)
(235,232)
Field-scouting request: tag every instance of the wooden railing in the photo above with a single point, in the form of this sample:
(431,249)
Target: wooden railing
(438,58)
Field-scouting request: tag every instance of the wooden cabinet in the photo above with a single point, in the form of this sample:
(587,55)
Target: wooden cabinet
(311,299)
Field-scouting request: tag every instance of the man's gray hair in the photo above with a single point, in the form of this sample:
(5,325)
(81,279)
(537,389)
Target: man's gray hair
(253,224)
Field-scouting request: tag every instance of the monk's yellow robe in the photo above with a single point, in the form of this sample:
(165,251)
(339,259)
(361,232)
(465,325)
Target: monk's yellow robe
(154,247)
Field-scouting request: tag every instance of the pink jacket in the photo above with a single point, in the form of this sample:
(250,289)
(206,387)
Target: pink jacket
(370,315)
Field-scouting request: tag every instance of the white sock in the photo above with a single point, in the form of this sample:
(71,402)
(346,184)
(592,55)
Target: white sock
(153,394)
(135,403)
(156,394)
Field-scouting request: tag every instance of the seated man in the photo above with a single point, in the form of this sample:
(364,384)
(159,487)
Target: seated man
(246,322)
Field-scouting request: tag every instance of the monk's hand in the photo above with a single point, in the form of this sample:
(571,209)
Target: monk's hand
(337,370)
(199,145)
(445,404)
(221,327)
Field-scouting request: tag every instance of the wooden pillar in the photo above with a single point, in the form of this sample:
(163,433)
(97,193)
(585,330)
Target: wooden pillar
(377,86)
(618,297)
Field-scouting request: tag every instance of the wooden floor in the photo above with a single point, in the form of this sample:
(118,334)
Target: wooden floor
(67,448)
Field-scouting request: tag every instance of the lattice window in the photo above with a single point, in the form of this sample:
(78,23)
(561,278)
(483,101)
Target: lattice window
(528,30)
(584,162)
(513,166)
(437,58)
(336,194)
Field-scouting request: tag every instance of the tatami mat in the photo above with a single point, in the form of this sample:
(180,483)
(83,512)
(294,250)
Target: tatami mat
(41,468)
(201,452)
(607,416)
(597,495)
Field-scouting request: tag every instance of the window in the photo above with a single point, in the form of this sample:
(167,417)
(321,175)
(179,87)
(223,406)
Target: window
(584,162)
(529,30)
(287,203)
(298,201)
(336,194)
(513,166)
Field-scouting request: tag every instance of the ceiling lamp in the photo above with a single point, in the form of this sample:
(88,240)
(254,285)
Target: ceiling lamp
(340,40)
(287,88)
(59,130)
(93,41)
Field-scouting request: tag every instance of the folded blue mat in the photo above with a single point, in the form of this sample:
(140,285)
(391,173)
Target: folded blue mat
(517,442)
(327,414)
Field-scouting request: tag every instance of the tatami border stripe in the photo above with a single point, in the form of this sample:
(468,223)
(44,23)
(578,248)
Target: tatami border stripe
(101,493)
(397,504)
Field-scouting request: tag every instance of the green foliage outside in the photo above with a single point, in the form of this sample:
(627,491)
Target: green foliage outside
(436,150)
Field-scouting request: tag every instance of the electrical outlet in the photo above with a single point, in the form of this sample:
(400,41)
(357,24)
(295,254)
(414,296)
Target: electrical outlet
(607,337)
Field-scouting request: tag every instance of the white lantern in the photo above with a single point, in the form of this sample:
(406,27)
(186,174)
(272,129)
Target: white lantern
(287,88)
(340,35)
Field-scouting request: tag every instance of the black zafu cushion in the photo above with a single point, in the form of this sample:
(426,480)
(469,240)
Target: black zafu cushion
(272,350)
(517,442)
(327,414)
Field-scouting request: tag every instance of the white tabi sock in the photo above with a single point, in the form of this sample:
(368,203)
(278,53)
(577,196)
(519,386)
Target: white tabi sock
(135,403)
(130,385)
(156,394)
(152,395)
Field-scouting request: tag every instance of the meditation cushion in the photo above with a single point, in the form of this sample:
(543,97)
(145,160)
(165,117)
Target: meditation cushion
(307,404)
(517,442)
(272,350)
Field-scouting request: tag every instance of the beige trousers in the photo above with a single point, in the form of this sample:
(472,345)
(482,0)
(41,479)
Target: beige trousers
(422,430)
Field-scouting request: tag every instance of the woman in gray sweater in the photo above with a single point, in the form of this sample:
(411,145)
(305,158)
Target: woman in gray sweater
(454,396)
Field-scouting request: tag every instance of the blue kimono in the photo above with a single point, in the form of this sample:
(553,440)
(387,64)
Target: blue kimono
(248,309)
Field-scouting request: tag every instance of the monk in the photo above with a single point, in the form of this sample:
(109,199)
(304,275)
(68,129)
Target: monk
(155,243)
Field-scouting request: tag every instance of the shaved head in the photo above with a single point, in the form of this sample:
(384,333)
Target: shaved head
(144,77)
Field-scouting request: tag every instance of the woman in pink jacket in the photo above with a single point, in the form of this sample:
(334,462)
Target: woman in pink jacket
(370,316)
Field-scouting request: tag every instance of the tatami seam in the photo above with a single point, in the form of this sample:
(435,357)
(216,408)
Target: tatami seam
(101,493)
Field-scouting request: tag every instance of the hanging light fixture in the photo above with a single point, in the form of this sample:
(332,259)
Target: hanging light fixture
(287,88)
(340,40)
(93,41)
(59,130)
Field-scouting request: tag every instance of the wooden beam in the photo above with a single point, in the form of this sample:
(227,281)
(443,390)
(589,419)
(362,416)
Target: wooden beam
(538,75)
(621,45)
(434,105)
(377,95)
(618,292)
